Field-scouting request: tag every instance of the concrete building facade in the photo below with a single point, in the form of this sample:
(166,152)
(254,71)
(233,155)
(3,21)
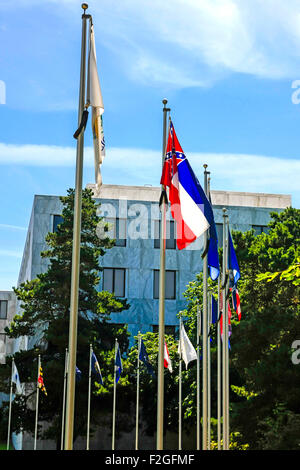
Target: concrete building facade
(131,268)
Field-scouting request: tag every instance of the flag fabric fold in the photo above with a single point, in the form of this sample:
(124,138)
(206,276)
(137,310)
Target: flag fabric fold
(41,381)
(167,359)
(94,99)
(236,301)
(214,310)
(16,379)
(189,204)
(213,254)
(143,357)
(185,347)
(118,365)
(96,368)
(233,265)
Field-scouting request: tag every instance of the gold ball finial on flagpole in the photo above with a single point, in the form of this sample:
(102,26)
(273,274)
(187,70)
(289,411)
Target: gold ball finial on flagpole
(84,6)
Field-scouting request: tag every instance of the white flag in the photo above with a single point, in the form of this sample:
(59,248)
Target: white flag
(94,98)
(167,359)
(16,379)
(185,347)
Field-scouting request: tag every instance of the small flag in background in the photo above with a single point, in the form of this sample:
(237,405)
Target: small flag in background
(94,98)
(78,374)
(167,359)
(96,368)
(145,359)
(214,310)
(229,324)
(185,347)
(236,302)
(233,265)
(16,379)
(118,365)
(41,381)
(189,204)
(213,254)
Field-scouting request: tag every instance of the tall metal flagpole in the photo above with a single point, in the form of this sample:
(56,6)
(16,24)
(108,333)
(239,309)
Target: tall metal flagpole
(209,305)
(37,402)
(69,428)
(114,400)
(64,402)
(225,329)
(219,369)
(204,339)
(89,402)
(137,394)
(227,342)
(161,327)
(198,374)
(180,391)
(10,404)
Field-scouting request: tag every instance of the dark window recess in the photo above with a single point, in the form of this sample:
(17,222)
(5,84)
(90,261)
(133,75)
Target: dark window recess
(57,219)
(170,285)
(170,234)
(2,344)
(259,229)
(169,329)
(3,309)
(114,281)
(117,230)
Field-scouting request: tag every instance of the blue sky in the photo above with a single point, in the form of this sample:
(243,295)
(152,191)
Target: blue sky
(227,68)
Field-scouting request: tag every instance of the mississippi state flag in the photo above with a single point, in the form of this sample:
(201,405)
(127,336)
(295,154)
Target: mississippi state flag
(189,204)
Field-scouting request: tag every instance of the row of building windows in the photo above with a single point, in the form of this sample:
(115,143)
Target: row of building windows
(118,231)
(114,282)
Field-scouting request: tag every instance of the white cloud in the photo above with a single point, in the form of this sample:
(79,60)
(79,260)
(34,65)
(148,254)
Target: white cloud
(12,227)
(235,172)
(198,40)
(11,253)
(185,43)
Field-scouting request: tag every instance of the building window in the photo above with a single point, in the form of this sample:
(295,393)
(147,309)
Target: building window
(170,235)
(2,348)
(57,219)
(117,231)
(169,329)
(259,229)
(170,285)
(3,309)
(114,281)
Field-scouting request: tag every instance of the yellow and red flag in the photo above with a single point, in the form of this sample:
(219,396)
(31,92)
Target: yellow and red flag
(41,381)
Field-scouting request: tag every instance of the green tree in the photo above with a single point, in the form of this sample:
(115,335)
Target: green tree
(44,319)
(262,343)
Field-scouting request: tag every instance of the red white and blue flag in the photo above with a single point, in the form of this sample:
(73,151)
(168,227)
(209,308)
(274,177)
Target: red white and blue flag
(189,205)
(236,302)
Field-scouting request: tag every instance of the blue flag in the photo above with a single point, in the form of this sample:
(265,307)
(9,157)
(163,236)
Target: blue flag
(118,365)
(213,254)
(214,310)
(145,359)
(233,264)
(96,368)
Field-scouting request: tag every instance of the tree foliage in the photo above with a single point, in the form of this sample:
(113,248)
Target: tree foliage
(44,319)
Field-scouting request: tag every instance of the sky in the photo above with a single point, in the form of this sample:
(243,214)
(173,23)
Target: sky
(230,70)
